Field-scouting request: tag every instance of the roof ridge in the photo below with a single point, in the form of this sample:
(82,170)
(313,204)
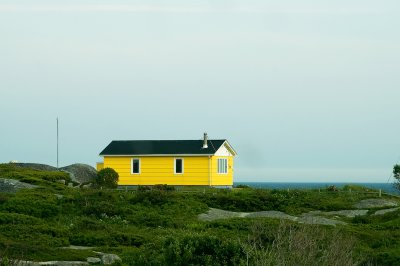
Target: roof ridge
(192,146)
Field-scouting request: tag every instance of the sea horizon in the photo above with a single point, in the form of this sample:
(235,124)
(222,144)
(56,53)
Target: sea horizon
(386,187)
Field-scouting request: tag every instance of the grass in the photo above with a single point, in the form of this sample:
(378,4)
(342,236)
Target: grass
(159,227)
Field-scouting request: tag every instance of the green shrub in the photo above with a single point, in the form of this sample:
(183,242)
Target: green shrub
(3,198)
(143,188)
(164,187)
(15,218)
(104,209)
(106,238)
(152,197)
(107,178)
(31,206)
(332,188)
(201,250)
(242,186)
(147,255)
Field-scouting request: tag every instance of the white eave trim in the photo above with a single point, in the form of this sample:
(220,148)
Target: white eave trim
(230,148)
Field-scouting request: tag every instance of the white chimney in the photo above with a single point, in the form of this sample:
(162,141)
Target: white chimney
(205,146)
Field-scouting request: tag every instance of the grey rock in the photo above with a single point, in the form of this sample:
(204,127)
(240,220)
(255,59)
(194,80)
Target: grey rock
(382,212)
(108,259)
(64,263)
(215,214)
(59,196)
(375,203)
(81,173)
(57,263)
(319,220)
(348,213)
(37,166)
(307,218)
(62,181)
(12,185)
(312,213)
(93,260)
(87,186)
(78,247)
(272,214)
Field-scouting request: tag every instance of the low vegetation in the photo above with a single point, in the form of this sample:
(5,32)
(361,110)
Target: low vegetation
(160,226)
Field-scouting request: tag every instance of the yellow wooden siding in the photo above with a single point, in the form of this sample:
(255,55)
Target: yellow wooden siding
(222,179)
(99,166)
(160,170)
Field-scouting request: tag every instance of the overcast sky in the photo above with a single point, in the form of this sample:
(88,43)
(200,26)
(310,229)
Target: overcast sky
(303,90)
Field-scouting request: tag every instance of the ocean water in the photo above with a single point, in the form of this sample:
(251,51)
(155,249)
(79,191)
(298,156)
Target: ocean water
(386,187)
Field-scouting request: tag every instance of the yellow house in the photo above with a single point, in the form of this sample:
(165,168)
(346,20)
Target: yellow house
(172,162)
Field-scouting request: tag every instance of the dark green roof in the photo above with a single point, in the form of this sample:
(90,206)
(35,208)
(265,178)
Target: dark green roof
(161,147)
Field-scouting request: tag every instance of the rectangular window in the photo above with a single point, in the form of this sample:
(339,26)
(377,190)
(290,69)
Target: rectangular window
(178,166)
(135,167)
(222,166)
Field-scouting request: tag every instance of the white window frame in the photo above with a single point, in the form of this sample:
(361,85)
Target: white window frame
(140,166)
(183,166)
(220,166)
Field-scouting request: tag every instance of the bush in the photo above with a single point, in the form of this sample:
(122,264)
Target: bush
(164,187)
(152,197)
(293,244)
(242,186)
(15,218)
(32,203)
(201,250)
(107,178)
(143,188)
(332,188)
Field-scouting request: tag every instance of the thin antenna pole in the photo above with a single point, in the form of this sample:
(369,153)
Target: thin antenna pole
(57,142)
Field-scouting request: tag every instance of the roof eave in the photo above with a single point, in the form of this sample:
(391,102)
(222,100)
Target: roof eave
(154,155)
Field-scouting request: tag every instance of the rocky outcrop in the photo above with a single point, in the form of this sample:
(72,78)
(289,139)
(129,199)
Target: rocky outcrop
(36,166)
(215,214)
(81,173)
(107,259)
(12,185)
(56,263)
(272,214)
(319,220)
(345,213)
(384,211)
(93,260)
(102,259)
(375,203)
